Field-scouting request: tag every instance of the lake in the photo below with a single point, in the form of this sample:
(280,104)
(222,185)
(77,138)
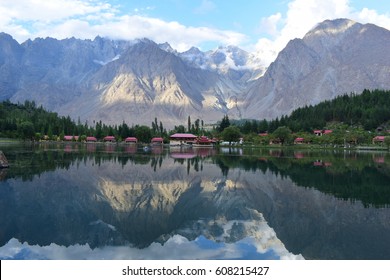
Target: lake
(97,201)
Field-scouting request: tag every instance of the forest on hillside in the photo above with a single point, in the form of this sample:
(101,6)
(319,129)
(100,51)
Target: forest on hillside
(366,111)
(370,109)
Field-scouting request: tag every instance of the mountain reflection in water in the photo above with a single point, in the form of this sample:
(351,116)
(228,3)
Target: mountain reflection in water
(121,202)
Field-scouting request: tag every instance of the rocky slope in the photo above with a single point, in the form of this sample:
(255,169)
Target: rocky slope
(136,81)
(336,57)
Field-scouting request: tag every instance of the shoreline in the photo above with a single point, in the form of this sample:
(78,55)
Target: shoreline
(5,141)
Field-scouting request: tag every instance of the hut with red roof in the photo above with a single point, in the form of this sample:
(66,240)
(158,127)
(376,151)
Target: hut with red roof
(109,139)
(131,140)
(157,141)
(91,139)
(299,140)
(71,138)
(68,138)
(378,139)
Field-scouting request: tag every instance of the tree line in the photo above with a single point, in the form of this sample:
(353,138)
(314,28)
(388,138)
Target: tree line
(30,122)
(358,112)
(370,109)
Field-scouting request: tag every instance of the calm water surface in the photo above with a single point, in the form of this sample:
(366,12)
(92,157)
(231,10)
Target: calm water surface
(95,201)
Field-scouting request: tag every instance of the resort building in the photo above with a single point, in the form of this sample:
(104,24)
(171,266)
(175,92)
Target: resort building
(328,131)
(109,139)
(71,138)
(157,141)
(180,139)
(299,140)
(318,132)
(91,139)
(131,140)
(378,139)
(322,132)
(204,141)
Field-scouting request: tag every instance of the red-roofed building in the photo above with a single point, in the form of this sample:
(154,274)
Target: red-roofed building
(328,131)
(91,139)
(299,140)
(378,139)
(318,132)
(131,140)
(179,139)
(109,139)
(203,141)
(71,138)
(68,138)
(157,141)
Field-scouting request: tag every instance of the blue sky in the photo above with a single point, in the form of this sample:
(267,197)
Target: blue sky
(254,25)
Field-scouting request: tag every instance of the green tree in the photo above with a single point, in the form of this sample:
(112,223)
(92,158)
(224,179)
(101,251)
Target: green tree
(224,123)
(26,130)
(179,129)
(387,141)
(143,133)
(231,134)
(37,136)
(161,128)
(263,126)
(283,133)
(189,124)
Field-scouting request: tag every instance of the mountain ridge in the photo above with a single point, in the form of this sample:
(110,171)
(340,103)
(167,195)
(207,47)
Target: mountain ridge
(136,81)
(310,70)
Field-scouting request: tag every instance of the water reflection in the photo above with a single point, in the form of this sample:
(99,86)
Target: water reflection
(201,240)
(126,203)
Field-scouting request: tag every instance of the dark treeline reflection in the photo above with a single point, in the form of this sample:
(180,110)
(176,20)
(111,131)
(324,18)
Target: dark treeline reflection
(29,161)
(349,176)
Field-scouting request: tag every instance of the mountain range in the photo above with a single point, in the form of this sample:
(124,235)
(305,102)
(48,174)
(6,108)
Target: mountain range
(137,81)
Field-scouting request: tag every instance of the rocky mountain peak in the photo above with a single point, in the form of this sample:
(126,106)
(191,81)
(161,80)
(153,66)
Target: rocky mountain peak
(336,26)
(138,80)
(167,47)
(336,57)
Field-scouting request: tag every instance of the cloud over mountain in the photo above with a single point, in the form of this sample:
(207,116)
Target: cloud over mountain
(137,80)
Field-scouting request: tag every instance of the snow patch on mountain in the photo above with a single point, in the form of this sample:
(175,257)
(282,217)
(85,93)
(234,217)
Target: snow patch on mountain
(108,61)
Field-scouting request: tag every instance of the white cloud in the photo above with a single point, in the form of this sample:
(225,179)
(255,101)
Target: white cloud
(131,27)
(271,24)
(371,16)
(84,19)
(176,247)
(48,11)
(25,19)
(303,15)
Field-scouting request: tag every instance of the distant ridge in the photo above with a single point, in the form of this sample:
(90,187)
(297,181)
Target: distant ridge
(136,81)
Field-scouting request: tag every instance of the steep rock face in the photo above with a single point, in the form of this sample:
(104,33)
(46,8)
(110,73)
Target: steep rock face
(10,57)
(148,82)
(136,81)
(54,72)
(113,81)
(336,57)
